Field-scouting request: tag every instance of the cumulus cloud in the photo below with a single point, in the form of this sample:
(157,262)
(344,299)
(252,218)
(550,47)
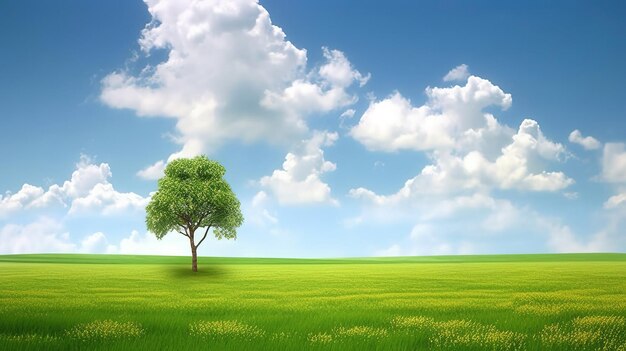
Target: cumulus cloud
(45,235)
(299,182)
(588,142)
(86,176)
(442,123)
(518,167)
(326,94)
(153,172)
(105,200)
(458,73)
(229,74)
(87,191)
(27,197)
(614,163)
(83,179)
(470,150)
(472,155)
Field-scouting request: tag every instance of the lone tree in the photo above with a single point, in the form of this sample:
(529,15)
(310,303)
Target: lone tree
(193,195)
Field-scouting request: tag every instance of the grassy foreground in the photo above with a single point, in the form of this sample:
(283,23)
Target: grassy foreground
(517,302)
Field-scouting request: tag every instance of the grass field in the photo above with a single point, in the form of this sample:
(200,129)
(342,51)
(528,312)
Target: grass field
(516,302)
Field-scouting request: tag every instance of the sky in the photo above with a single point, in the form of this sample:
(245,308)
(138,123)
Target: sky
(346,128)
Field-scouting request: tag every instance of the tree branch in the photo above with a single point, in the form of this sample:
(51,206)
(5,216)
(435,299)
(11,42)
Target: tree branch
(204,236)
(200,221)
(203,216)
(182,233)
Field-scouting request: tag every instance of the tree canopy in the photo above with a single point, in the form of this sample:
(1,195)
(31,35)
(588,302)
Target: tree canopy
(193,194)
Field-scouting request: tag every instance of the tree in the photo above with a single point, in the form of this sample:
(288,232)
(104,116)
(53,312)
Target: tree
(193,195)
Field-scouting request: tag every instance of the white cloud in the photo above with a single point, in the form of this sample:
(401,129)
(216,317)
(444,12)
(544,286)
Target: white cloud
(458,73)
(88,190)
(339,72)
(148,244)
(471,155)
(259,198)
(229,74)
(105,200)
(615,201)
(173,244)
(614,172)
(26,197)
(489,225)
(345,116)
(470,150)
(44,235)
(326,94)
(259,213)
(424,240)
(503,215)
(299,182)
(588,142)
(442,123)
(96,243)
(392,124)
(349,113)
(518,167)
(84,178)
(562,239)
(448,207)
(153,172)
(614,163)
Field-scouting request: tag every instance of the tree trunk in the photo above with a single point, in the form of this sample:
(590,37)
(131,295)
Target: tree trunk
(194,253)
(194,259)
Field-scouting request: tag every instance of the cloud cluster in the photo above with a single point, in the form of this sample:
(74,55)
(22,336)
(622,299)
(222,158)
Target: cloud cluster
(42,236)
(87,191)
(299,182)
(476,224)
(472,156)
(470,150)
(47,235)
(229,74)
(450,117)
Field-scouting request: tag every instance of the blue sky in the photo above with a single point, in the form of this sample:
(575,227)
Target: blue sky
(347,129)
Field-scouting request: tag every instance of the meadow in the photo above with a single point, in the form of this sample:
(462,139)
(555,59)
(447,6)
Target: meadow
(502,302)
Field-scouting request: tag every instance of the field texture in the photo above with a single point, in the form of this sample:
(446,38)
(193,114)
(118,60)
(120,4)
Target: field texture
(519,302)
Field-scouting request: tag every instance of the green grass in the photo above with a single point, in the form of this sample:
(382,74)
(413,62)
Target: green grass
(500,302)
